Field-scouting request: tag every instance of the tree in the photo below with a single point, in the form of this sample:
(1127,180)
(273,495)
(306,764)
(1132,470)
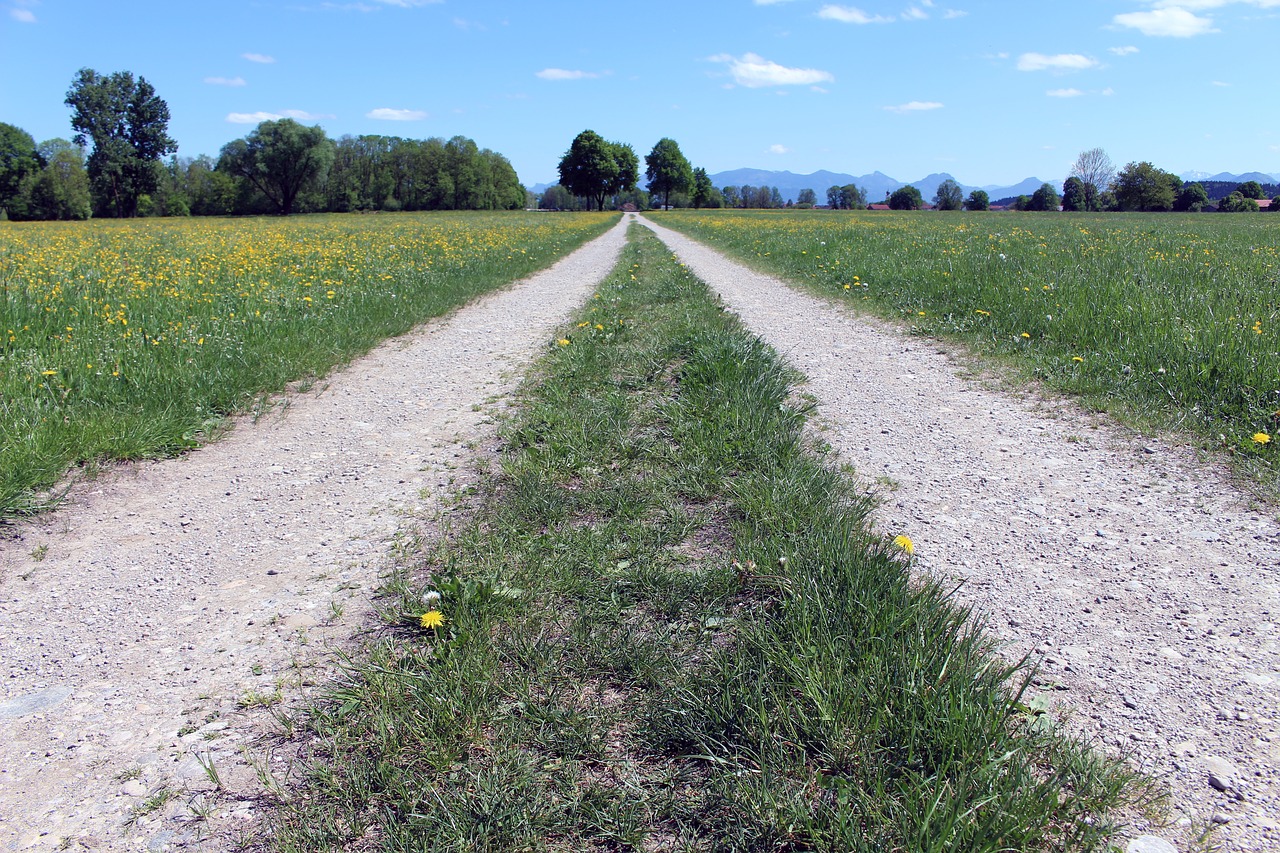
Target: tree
(1141,186)
(853,197)
(704,192)
(129,127)
(1095,170)
(18,160)
(949,196)
(667,170)
(1275,205)
(978,200)
(594,168)
(1237,202)
(807,196)
(906,198)
(58,191)
(556,197)
(732,196)
(1074,197)
(1044,199)
(1251,189)
(1191,199)
(280,159)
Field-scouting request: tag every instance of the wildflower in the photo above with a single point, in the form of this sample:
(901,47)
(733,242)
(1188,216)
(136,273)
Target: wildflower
(846,287)
(431,619)
(564,342)
(432,600)
(904,542)
(1026,334)
(1076,358)
(921,313)
(1261,438)
(983,313)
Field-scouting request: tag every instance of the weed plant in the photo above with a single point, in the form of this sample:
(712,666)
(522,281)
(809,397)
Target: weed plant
(1170,320)
(127,339)
(666,625)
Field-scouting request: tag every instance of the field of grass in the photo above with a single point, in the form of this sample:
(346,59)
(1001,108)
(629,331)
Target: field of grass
(666,625)
(126,339)
(1173,321)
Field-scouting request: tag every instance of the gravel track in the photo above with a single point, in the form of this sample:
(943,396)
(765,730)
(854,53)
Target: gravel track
(138,617)
(1144,580)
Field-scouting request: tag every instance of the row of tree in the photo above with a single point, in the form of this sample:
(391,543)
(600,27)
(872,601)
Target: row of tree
(115,166)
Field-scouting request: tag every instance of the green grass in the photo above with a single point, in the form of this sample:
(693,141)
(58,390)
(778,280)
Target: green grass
(127,339)
(668,626)
(1172,321)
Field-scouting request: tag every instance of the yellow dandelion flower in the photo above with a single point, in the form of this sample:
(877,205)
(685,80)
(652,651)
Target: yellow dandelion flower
(431,619)
(1261,438)
(904,542)
(564,342)
(1026,334)
(1076,358)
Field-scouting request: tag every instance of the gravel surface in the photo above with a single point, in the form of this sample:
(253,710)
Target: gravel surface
(1145,581)
(139,619)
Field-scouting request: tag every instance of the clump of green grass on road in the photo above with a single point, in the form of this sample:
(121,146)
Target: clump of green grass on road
(666,625)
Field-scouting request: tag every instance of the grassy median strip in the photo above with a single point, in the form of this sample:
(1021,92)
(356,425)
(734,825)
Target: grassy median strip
(667,626)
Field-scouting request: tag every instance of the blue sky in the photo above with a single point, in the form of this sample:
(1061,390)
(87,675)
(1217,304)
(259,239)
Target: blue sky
(992,91)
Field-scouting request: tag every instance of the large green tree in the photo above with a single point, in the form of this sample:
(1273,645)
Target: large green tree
(280,159)
(1044,199)
(978,200)
(1192,199)
(18,160)
(1141,186)
(906,198)
(594,168)
(128,124)
(667,170)
(1251,189)
(1074,196)
(949,196)
(704,192)
(61,189)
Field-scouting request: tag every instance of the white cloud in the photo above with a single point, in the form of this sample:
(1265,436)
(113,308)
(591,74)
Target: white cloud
(252,118)
(1173,22)
(566,74)
(1212,4)
(261,58)
(388,114)
(915,107)
(1064,93)
(756,72)
(25,16)
(225,81)
(1107,92)
(261,116)
(850,15)
(1127,50)
(952,14)
(915,13)
(779,149)
(1221,84)
(1057,62)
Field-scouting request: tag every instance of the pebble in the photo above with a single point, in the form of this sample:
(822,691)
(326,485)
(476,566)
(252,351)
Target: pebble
(1222,773)
(1149,844)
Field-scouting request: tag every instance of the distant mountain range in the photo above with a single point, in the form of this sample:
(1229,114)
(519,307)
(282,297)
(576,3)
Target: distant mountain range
(878,184)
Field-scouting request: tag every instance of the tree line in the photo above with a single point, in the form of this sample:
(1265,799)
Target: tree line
(121,162)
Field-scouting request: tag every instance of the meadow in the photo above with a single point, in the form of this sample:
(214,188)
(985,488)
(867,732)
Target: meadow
(1171,321)
(130,339)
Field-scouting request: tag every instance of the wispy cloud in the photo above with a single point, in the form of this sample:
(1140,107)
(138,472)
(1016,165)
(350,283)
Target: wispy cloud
(779,149)
(1057,62)
(1127,50)
(225,81)
(851,15)
(1064,93)
(1168,22)
(915,107)
(25,16)
(915,13)
(260,58)
(389,114)
(261,116)
(756,72)
(567,74)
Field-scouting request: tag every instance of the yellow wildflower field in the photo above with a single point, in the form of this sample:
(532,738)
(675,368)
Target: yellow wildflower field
(124,339)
